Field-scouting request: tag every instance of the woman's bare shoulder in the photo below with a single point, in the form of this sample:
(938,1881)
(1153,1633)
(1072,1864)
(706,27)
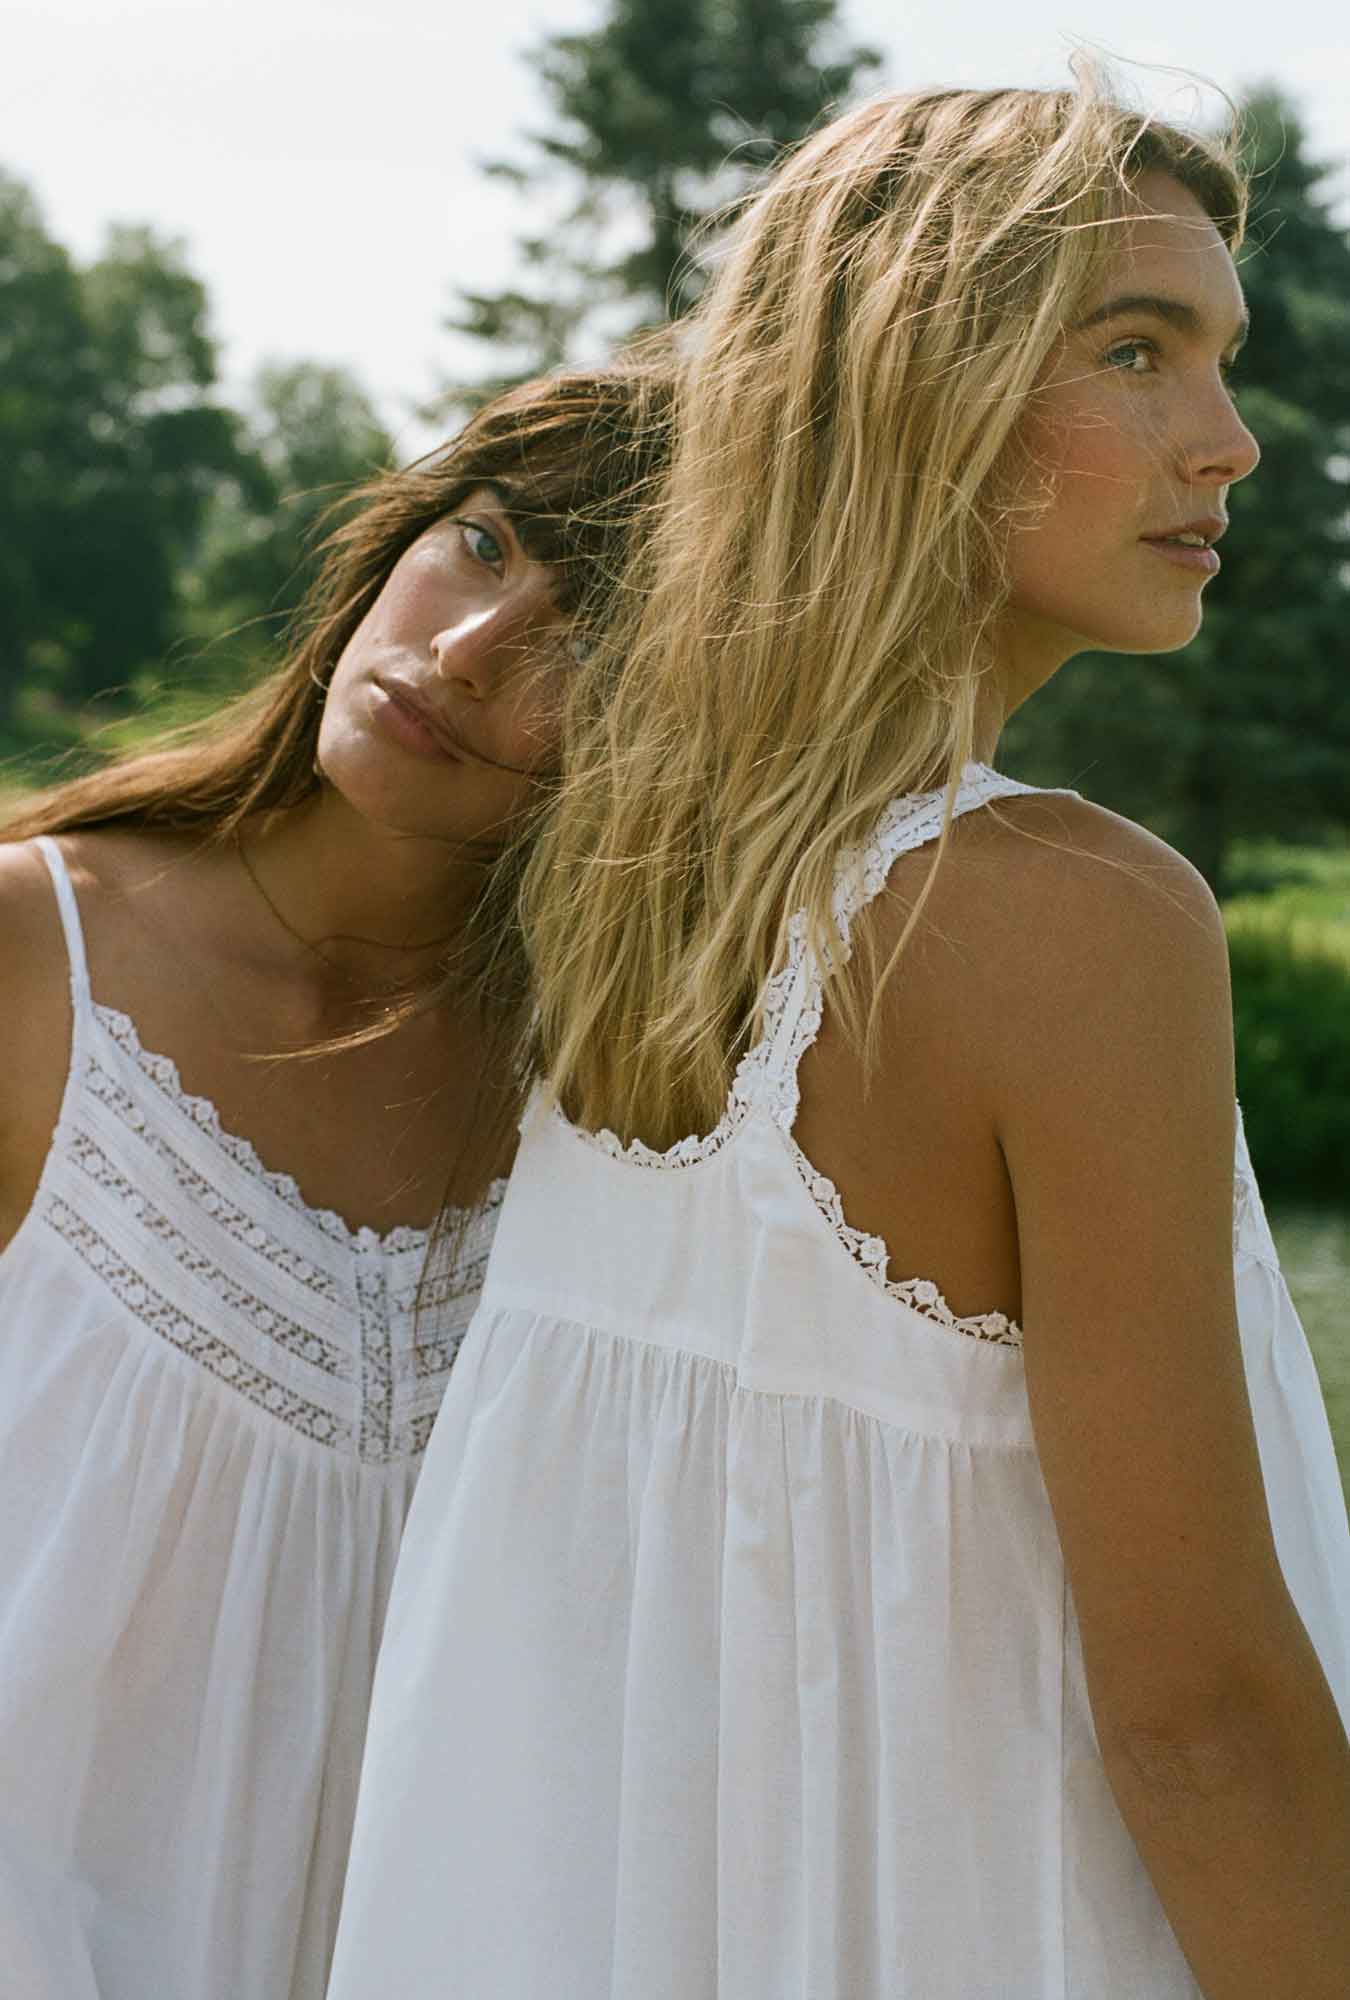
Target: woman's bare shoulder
(35,1008)
(1036,848)
(35,950)
(1048,910)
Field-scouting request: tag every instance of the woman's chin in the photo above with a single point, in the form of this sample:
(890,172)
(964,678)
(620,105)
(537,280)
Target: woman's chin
(1166,630)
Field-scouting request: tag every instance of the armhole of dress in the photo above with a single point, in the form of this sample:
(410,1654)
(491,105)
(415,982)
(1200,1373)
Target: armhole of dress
(793,1023)
(81,999)
(795,1010)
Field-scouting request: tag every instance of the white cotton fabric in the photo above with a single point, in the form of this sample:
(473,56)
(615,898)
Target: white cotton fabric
(731,1652)
(213,1400)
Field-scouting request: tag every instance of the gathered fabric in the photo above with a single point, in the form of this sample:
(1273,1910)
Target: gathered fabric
(731,1654)
(213,1404)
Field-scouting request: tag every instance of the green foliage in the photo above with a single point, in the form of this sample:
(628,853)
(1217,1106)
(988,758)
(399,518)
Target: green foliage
(1313,1241)
(312,434)
(139,516)
(110,447)
(1291,1019)
(1247,732)
(666,111)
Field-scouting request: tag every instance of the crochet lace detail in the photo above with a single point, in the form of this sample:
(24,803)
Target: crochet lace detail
(163,1072)
(340,1334)
(871,1253)
(767,1074)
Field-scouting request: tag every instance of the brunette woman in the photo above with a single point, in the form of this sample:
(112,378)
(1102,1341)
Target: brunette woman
(234,1283)
(883,1539)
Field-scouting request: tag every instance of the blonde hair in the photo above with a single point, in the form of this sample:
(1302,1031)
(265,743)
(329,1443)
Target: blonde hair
(803,634)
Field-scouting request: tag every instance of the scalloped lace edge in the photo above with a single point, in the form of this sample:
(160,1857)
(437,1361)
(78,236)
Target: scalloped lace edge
(862,871)
(164,1073)
(871,1253)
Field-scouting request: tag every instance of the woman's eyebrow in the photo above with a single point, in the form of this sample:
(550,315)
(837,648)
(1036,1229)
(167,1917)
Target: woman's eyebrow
(1175,312)
(501,494)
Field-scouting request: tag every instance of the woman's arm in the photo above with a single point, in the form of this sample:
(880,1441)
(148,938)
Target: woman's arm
(1218,1731)
(35,1025)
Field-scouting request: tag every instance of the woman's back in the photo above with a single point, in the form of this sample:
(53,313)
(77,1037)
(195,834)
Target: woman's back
(734,1541)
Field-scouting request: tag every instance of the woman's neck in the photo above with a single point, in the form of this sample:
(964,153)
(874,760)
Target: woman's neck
(378,908)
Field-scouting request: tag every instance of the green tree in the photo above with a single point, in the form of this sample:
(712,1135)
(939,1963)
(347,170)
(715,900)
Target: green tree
(312,434)
(110,447)
(48,403)
(1247,732)
(664,112)
(165,445)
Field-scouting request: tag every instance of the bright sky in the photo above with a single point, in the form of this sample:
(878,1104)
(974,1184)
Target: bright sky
(318,156)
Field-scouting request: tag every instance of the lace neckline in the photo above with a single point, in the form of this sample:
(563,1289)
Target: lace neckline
(163,1072)
(860,873)
(765,1078)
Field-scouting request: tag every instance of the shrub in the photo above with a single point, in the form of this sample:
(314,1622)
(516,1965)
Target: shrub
(1291,1015)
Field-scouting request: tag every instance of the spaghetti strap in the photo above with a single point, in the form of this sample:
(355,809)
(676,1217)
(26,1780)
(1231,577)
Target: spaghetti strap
(70,921)
(792,1006)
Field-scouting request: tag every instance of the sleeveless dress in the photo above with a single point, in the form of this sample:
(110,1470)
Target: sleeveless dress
(730,1654)
(213,1401)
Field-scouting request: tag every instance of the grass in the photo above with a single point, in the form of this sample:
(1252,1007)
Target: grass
(1302,895)
(1314,1247)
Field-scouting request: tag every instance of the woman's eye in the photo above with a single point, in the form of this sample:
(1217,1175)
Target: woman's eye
(1127,356)
(481,544)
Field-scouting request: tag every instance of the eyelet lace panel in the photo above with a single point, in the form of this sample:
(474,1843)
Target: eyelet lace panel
(339,1334)
(163,1072)
(166,1318)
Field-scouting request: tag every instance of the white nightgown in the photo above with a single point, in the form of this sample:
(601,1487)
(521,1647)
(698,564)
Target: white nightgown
(213,1401)
(731,1654)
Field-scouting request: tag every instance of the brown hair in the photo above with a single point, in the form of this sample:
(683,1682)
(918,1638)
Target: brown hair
(573,456)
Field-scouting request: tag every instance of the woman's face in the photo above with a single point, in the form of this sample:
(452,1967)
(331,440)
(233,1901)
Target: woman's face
(444,708)
(1134,441)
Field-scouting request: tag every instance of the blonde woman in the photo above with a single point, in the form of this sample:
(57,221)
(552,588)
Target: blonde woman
(223,1345)
(882,1540)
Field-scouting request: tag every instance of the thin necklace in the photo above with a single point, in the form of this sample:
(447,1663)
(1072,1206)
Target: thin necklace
(343,972)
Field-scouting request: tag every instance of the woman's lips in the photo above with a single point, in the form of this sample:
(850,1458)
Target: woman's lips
(1205,561)
(400,718)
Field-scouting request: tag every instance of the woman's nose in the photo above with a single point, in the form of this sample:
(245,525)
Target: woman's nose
(1228,452)
(473,650)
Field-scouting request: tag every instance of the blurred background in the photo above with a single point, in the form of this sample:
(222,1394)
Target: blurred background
(253,250)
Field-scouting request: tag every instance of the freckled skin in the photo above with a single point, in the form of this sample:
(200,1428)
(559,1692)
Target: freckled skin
(1132,432)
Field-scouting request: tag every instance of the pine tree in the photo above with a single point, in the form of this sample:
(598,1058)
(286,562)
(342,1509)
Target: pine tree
(1247,732)
(664,112)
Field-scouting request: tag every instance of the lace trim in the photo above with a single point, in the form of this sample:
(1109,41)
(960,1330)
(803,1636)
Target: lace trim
(871,1253)
(244,1228)
(163,1072)
(380,1341)
(181,1331)
(765,1075)
(288,1334)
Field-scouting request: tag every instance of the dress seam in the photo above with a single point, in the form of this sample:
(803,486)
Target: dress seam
(550,1321)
